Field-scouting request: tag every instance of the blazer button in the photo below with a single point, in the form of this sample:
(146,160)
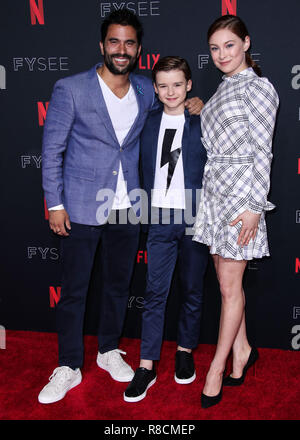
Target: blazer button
(115,173)
(121,149)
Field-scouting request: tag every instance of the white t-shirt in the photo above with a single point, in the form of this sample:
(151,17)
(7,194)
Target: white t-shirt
(168,191)
(122,112)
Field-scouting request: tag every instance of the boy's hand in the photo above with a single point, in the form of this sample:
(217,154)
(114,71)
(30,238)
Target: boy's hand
(194,105)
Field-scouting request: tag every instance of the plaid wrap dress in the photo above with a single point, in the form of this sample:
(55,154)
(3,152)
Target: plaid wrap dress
(237,127)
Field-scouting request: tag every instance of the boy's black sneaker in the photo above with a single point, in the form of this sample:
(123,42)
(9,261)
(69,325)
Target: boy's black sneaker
(137,389)
(184,367)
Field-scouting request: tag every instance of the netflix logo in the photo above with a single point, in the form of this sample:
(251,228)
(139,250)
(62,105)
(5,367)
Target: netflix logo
(148,61)
(229,7)
(37,15)
(142,257)
(297,265)
(54,295)
(42,111)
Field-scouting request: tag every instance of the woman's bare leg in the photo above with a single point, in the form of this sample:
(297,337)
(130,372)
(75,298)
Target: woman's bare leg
(241,350)
(230,275)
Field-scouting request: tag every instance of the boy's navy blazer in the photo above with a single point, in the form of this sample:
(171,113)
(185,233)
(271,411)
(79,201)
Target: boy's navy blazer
(193,154)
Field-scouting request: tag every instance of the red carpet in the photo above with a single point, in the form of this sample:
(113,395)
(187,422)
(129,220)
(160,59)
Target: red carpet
(29,358)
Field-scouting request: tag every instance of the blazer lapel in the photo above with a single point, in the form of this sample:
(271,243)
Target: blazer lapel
(153,136)
(98,101)
(185,138)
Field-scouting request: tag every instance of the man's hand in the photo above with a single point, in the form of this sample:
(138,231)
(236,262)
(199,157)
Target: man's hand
(249,227)
(194,105)
(58,221)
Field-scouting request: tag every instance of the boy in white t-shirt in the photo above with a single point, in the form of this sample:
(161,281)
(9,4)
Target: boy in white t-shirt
(172,162)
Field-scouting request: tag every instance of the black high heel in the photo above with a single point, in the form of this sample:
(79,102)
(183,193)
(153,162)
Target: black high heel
(208,401)
(234,382)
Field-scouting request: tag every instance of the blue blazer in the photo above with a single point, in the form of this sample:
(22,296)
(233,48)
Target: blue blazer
(81,153)
(193,155)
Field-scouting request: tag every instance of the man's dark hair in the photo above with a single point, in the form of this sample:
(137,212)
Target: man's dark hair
(124,17)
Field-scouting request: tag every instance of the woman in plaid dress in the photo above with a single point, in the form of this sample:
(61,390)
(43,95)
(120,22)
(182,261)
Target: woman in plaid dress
(237,126)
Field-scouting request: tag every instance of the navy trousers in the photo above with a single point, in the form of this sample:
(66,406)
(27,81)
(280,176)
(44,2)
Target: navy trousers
(118,247)
(166,245)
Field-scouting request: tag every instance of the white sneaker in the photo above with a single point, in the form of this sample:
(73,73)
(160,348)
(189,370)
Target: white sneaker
(61,381)
(113,362)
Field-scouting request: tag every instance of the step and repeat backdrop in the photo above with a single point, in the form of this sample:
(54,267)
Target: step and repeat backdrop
(45,40)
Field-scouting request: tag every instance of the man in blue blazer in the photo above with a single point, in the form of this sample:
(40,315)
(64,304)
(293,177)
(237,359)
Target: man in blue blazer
(90,165)
(172,164)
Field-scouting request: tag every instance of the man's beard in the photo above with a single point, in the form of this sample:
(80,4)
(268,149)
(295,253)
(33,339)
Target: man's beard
(108,61)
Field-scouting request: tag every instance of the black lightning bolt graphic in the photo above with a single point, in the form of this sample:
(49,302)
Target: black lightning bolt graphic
(168,156)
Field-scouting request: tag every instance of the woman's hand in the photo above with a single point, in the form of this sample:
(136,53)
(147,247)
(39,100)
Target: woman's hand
(249,227)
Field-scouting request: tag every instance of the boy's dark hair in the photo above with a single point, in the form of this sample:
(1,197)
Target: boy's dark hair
(124,17)
(166,64)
